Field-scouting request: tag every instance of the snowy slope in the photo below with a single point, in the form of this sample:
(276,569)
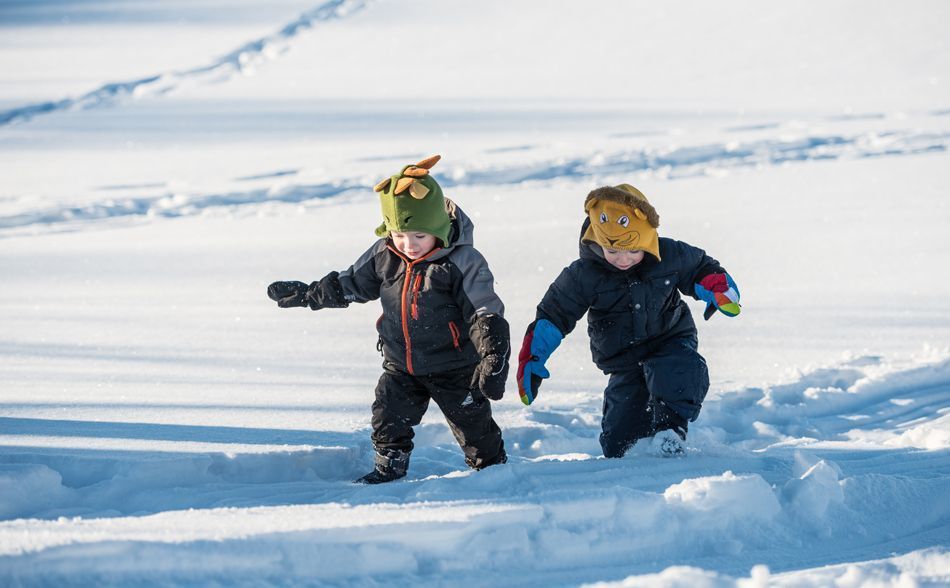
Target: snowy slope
(162,423)
(113,44)
(844,56)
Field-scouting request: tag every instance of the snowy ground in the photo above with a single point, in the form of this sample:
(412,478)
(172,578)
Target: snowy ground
(162,423)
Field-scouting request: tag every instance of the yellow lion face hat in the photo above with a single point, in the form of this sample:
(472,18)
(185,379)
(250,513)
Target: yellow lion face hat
(622,218)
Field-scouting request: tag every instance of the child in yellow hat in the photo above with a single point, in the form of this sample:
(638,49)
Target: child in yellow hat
(629,280)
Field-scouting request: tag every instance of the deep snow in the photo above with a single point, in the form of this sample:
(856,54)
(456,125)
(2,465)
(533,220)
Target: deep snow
(162,423)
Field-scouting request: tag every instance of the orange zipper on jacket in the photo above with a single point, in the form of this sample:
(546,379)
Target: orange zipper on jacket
(455,335)
(404,303)
(415,297)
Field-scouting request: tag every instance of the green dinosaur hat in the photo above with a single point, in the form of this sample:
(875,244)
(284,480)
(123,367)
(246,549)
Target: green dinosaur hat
(413,201)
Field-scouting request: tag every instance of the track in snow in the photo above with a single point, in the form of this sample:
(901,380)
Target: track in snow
(248,56)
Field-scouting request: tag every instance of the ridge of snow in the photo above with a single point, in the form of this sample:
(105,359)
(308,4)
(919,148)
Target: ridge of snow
(666,162)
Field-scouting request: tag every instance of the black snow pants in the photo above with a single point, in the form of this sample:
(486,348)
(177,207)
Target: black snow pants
(663,391)
(402,400)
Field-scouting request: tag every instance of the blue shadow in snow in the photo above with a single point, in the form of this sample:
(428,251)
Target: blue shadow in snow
(160,432)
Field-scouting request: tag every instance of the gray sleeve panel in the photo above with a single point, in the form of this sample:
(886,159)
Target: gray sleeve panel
(478,284)
(360,281)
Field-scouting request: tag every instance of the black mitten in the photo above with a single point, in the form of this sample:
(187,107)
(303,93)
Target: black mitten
(490,375)
(326,293)
(288,294)
(492,339)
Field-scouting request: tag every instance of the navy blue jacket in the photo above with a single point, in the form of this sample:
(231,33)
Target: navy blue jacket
(630,313)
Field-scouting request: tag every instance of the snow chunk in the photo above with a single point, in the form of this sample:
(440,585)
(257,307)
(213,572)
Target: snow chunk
(720,498)
(24,486)
(810,495)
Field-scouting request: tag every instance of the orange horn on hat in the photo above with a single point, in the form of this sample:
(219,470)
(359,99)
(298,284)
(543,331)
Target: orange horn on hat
(429,162)
(416,172)
(402,184)
(382,185)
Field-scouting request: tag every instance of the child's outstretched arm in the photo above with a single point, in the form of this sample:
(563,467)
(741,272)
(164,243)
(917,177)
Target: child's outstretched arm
(489,330)
(565,302)
(359,283)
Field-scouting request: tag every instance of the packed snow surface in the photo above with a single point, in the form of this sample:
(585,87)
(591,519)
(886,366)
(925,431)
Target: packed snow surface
(163,423)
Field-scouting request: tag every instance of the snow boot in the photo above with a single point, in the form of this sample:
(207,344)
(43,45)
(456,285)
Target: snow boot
(499,459)
(668,443)
(391,464)
(670,437)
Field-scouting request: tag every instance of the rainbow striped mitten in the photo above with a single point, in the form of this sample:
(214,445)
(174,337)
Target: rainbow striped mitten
(720,293)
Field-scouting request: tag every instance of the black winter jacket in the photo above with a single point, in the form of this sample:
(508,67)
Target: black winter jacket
(440,312)
(629,313)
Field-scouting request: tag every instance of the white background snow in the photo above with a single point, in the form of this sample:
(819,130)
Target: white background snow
(163,423)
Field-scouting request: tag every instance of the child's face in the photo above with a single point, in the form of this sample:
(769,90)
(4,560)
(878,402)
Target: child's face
(413,244)
(623,260)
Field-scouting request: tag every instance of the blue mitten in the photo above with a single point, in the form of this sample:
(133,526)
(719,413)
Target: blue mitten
(540,341)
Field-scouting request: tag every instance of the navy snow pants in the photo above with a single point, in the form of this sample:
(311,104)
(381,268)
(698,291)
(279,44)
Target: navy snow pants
(663,391)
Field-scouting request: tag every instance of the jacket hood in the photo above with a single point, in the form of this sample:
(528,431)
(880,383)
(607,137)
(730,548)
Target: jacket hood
(461,232)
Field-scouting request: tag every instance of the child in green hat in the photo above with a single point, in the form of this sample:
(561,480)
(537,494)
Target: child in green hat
(442,332)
